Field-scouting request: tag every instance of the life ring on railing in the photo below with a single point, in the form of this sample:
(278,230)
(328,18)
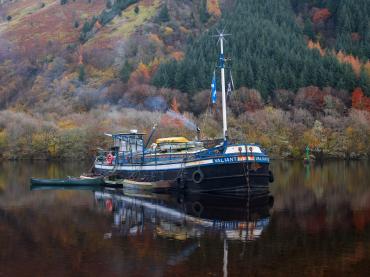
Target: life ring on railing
(109,205)
(109,158)
(198,176)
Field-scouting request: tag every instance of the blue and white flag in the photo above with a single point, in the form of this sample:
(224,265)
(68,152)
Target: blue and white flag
(229,90)
(213,86)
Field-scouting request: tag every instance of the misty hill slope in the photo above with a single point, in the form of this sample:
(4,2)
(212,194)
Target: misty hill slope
(52,49)
(62,51)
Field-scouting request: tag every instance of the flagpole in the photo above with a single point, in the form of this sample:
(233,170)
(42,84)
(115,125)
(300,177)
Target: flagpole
(222,65)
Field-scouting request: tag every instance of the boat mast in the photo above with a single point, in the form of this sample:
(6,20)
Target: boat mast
(222,66)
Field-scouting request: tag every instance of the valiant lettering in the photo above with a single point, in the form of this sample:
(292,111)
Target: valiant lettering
(225,160)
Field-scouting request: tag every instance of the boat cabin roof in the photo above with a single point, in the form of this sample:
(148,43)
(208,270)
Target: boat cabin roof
(129,134)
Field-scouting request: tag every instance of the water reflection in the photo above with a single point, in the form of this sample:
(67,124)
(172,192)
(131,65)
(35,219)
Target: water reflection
(319,224)
(182,217)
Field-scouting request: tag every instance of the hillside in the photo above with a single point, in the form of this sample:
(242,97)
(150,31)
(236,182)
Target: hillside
(54,48)
(274,52)
(339,24)
(72,69)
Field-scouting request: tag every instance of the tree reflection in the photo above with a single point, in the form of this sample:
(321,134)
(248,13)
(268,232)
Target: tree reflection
(318,225)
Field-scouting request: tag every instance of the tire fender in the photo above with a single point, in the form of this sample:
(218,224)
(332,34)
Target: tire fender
(197,208)
(198,176)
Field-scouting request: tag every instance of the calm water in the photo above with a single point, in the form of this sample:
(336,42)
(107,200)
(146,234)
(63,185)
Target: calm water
(315,222)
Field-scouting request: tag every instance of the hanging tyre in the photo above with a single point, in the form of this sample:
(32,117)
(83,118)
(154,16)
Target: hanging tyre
(271,176)
(197,208)
(198,176)
(180,182)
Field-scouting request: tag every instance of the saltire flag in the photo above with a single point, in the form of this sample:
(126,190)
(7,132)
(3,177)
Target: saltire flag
(213,86)
(229,89)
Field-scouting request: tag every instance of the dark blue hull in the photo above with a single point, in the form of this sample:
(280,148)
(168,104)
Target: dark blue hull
(210,178)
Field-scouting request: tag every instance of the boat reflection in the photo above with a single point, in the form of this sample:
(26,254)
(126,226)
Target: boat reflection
(187,216)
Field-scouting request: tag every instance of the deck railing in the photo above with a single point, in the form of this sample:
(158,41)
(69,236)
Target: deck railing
(139,158)
(124,157)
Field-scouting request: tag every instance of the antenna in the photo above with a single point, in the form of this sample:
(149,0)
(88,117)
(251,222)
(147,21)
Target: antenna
(221,35)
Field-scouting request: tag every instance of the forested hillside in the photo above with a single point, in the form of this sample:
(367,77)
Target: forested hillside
(339,24)
(268,51)
(71,70)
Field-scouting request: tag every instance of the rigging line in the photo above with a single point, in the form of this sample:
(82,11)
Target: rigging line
(207,111)
(232,80)
(92,166)
(180,173)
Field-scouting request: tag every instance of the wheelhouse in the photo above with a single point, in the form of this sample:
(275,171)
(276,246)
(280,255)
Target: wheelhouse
(127,148)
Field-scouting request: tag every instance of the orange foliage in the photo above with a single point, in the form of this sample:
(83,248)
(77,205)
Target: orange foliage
(342,57)
(80,55)
(155,38)
(153,66)
(174,105)
(52,24)
(169,121)
(316,45)
(184,30)
(143,72)
(213,7)
(177,55)
(321,15)
(97,25)
(140,75)
(172,121)
(310,98)
(359,100)
(352,60)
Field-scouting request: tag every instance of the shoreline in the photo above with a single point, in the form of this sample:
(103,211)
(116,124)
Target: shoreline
(271,159)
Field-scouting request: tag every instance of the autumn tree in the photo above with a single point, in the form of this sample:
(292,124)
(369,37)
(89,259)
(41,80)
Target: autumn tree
(359,100)
(321,15)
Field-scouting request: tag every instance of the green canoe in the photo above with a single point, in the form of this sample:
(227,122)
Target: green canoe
(71,181)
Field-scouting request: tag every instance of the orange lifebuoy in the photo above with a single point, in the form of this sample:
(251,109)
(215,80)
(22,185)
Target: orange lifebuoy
(109,205)
(110,158)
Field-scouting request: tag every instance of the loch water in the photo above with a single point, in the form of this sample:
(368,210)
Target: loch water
(314,221)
